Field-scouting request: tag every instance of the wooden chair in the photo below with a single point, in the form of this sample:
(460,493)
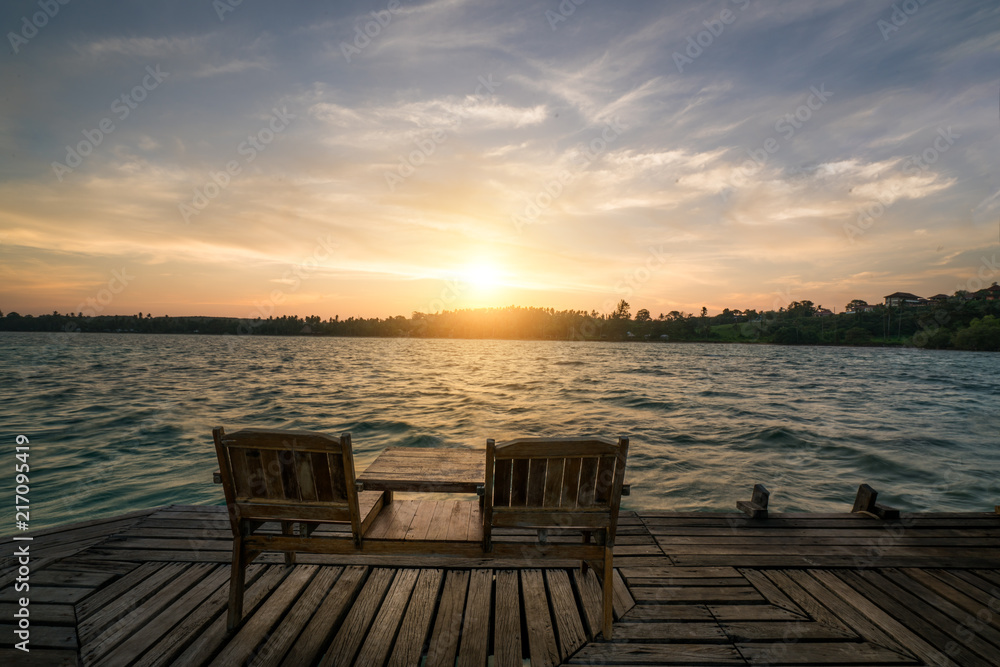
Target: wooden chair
(559,483)
(290,477)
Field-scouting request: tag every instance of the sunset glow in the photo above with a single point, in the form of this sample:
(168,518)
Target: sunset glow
(273,156)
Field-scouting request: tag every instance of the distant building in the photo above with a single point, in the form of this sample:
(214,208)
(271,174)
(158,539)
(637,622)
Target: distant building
(939,298)
(901,299)
(991,293)
(823,312)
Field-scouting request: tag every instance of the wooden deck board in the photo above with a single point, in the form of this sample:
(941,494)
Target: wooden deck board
(690,588)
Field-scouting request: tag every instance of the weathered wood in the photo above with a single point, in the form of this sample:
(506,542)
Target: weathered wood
(281,638)
(379,638)
(507,648)
(541,632)
(448,626)
(820,653)
(566,611)
(335,606)
(634,653)
(154,610)
(865,504)
(476,624)
(429,470)
(348,640)
(213,635)
(756,508)
(417,623)
(243,647)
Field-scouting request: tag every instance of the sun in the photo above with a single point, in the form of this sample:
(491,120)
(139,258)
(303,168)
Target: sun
(482,276)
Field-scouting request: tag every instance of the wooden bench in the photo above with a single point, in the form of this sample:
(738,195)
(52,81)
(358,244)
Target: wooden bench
(564,484)
(533,487)
(293,477)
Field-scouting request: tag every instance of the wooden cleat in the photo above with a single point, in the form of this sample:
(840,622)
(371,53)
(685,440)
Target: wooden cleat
(864,503)
(756,508)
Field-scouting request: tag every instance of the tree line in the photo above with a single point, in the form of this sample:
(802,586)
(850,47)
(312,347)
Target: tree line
(959,322)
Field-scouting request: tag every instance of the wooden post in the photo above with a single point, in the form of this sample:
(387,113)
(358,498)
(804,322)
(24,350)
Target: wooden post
(864,503)
(757,507)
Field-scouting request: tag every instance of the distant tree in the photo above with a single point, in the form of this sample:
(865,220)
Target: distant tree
(623,311)
(704,311)
(857,336)
(982,334)
(855,305)
(642,316)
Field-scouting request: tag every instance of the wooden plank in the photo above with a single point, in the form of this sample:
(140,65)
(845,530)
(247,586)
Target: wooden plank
(553,482)
(416,624)
(622,599)
(971,604)
(787,581)
(941,598)
(150,633)
(448,625)
(91,626)
(537,469)
(279,640)
(541,632)
(42,636)
(699,594)
(855,591)
(327,618)
(380,636)
(393,521)
(422,518)
(438,529)
(458,522)
(507,651)
(614,653)
(39,657)
(70,578)
(933,623)
(569,625)
(571,482)
(128,619)
(348,640)
(502,475)
(49,614)
(113,591)
(196,614)
(745,612)
(475,640)
(242,648)
(214,634)
(820,653)
(588,482)
(519,483)
(589,588)
(850,615)
(694,633)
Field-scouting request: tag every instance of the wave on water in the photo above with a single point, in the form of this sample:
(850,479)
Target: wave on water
(705,422)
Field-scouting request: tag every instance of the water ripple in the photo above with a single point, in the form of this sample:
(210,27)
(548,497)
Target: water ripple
(120,422)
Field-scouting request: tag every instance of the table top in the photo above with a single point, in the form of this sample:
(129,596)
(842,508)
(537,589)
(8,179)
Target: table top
(426,469)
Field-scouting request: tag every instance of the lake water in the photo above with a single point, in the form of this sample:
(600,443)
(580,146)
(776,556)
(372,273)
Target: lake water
(119,422)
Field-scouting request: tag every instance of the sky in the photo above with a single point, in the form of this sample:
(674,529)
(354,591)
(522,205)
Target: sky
(378,158)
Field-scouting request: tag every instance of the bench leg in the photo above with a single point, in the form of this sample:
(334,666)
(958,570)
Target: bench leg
(286,529)
(609,594)
(237,579)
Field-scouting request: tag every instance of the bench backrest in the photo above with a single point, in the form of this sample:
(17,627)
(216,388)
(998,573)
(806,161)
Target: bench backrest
(555,482)
(284,475)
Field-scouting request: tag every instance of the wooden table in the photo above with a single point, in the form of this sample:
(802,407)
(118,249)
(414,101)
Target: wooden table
(425,469)
(429,470)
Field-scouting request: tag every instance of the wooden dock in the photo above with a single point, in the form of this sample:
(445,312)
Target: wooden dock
(151,587)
